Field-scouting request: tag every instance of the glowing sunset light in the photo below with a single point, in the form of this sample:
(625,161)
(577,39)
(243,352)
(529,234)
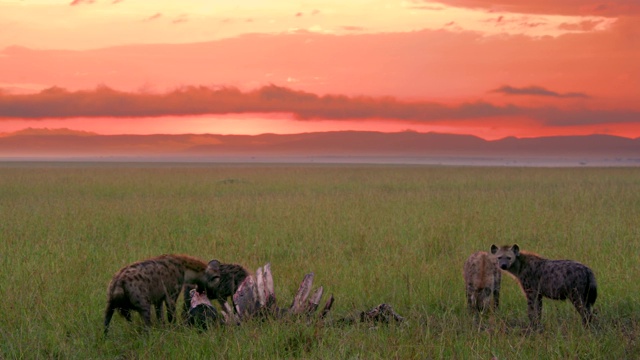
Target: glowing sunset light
(492,69)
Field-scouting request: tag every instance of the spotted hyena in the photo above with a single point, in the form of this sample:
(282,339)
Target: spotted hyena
(229,278)
(154,282)
(482,279)
(554,279)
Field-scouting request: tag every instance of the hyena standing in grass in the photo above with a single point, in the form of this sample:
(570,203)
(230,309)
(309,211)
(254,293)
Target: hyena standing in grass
(482,279)
(554,279)
(154,282)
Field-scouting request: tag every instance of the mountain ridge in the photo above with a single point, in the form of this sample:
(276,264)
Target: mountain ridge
(65,142)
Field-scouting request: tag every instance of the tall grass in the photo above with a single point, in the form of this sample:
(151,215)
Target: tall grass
(371,234)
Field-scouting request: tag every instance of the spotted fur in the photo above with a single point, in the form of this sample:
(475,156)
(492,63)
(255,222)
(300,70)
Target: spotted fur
(482,279)
(153,282)
(553,279)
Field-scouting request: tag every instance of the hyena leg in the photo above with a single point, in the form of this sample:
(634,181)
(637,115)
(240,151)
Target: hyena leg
(186,305)
(222,302)
(159,312)
(143,306)
(171,307)
(470,305)
(126,313)
(583,308)
(534,309)
(145,312)
(588,315)
(496,298)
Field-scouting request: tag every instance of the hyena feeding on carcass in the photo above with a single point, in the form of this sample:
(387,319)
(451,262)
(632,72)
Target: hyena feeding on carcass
(154,282)
(228,278)
(554,279)
(482,279)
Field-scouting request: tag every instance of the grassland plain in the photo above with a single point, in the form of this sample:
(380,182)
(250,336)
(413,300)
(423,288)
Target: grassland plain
(371,234)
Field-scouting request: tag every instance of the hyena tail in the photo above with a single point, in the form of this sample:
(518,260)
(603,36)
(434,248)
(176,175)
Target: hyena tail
(592,290)
(115,296)
(108,314)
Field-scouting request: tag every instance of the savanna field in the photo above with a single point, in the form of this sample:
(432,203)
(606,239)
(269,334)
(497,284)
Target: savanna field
(371,234)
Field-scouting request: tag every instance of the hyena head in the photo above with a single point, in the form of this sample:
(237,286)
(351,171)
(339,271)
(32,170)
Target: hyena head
(212,278)
(506,255)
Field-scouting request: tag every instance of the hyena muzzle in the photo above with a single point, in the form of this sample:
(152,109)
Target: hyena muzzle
(554,279)
(482,280)
(225,280)
(154,282)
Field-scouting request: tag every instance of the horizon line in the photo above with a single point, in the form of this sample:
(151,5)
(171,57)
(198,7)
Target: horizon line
(46,131)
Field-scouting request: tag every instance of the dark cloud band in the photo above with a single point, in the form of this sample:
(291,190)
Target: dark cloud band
(105,102)
(537,91)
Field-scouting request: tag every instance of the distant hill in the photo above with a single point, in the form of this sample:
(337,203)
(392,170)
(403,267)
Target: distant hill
(48,132)
(64,142)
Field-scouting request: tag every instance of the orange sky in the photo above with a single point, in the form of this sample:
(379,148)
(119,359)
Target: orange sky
(489,68)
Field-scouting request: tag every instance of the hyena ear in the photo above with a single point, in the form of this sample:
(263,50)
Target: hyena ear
(494,249)
(213,266)
(516,250)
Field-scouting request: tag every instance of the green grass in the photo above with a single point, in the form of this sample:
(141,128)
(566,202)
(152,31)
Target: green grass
(371,234)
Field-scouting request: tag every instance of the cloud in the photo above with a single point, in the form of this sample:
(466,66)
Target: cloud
(587,25)
(180,19)
(105,102)
(80,2)
(420,5)
(537,91)
(353,28)
(532,24)
(153,17)
(552,7)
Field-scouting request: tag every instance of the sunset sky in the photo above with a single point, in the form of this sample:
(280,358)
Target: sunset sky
(493,69)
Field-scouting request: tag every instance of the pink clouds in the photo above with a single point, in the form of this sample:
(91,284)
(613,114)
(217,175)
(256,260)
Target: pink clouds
(509,64)
(426,64)
(154,17)
(105,102)
(537,91)
(80,2)
(564,7)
